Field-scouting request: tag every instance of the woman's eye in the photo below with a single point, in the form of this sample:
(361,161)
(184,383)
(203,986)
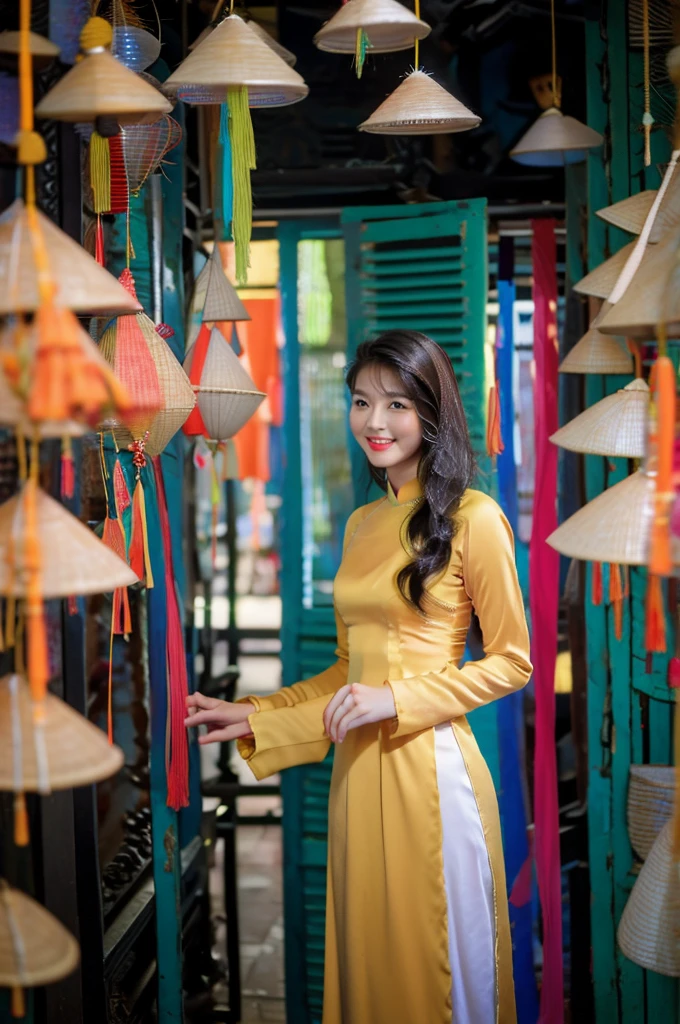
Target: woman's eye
(398,405)
(360,403)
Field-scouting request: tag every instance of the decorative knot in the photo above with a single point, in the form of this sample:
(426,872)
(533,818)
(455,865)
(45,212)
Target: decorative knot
(165,331)
(128,282)
(97,33)
(138,454)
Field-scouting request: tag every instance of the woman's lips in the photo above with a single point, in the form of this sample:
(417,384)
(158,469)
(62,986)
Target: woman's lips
(379,444)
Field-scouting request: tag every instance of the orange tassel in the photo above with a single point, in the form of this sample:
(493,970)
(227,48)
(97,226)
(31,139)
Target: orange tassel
(38,662)
(494,440)
(21,830)
(140,560)
(68,473)
(660,563)
(114,539)
(18,1002)
(597,584)
(655,619)
(616,598)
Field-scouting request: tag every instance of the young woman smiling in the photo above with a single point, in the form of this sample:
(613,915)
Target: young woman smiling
(417,927)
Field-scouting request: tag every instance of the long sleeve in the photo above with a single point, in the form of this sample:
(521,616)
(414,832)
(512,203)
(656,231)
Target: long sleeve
(491,583)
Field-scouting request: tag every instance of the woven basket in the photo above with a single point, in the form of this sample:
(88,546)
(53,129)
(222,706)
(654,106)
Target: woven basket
(651,795)
(389,26)
(616,426)
(614,527)
(49,951)
(227,396)
(652,297)
(221,298)
(77,752)
(600,281)
(596,353)
(420,106)
(73,559)
(144,147)
(554,140)
(81,284)
(99,86)
(648,930)
(629,214)
(232,54)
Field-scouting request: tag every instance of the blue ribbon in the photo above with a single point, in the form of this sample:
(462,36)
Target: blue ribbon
(227,171)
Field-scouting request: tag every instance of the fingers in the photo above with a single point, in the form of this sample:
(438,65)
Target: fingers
(215,717)
(351,720)
(333,705)
(229,732)
(343,709)
(199,700)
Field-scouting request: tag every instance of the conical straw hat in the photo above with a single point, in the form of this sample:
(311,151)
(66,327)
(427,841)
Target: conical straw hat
(388,25)
(41,48)
(280,51)
(651,795)
(420,106)
(47,951)
(554,140)
(613,527)
(597,353)
(221,298)
(82,285)
(629,214)
(227,396)
(232,54)
(76,752)
(600,281)
(648,930)
(616,426)
(100,86)
(199,38)
(73,559)
(652,297)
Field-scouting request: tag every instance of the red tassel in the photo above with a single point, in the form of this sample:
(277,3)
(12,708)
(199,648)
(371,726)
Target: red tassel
(660,562)
(119,185)
(139,558)
(616,599)
(655,619)
(194,424)
(597,584)
(99,243)
(177,748)
(73,605)
(494,440)
(674,673)
(68,470)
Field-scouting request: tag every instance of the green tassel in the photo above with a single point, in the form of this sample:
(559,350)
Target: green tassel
(363,45)
(243,162)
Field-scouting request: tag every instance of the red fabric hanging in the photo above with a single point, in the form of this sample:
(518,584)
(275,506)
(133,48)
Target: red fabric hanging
(544,588)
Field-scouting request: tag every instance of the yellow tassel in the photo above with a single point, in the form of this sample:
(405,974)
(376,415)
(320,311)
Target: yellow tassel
(31,148)
(243,161)
(100,173)
(95,33)
(21,831)
(18,1002)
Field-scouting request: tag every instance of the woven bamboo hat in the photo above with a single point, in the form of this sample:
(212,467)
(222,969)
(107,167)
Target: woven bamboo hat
(420,106)
(388,25)
(233,54)
(76,752)
(600,281)
(73,559)
(81,284)
(652,297)
(42,50)
(46,953)
(227,396)
(648,930)
(616,426)
(651,794)
(597,353)
(221,298)
(555,140)
(629,214)
(614,527)
(280,51)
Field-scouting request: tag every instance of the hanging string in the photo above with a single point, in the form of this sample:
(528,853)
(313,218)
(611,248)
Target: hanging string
(557,99)
(647,119)
(416,58)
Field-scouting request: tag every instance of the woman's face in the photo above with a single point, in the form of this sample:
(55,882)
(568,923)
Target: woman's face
(385,423)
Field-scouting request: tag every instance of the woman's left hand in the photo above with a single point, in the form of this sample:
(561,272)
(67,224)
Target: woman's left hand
(354,705)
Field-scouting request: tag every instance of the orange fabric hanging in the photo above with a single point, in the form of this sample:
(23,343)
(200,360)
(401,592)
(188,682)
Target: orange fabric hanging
(655,619)
(597,584)
(616,595)
(258,338)
(660,563)
(494,440)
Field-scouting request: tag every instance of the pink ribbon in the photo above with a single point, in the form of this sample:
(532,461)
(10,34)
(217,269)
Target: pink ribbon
(543,601)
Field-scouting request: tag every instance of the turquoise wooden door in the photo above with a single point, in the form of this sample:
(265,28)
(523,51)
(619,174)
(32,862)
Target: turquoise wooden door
(422,267)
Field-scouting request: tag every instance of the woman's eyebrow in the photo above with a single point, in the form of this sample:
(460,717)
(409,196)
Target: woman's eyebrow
(386,394)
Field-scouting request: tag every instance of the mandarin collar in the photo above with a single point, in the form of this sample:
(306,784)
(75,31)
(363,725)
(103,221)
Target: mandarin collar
(409,492)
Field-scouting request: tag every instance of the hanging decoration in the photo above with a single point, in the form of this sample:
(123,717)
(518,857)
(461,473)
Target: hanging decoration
(597,353)
(274,44)
(221,302)
(132,44)
(600,282)
(629,214)
(226,394)
(381,26)
(651,795)
(145,147)
(43,51)
(615,427)
(555,139)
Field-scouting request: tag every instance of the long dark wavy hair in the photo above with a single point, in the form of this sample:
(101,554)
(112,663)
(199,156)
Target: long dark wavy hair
(447,463)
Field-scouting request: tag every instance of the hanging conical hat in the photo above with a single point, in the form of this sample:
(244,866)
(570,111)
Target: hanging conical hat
(73,559)
(420,106)
(41,49)
(616,426)
(651,795)
(388,25)
(100,86)
(47,951)
(629,214)
(652,297)
(600,281)
(199,38)
(76,752)
(554,140)
(614,527)
(648,930)
(221,298)
(597,353)
(281,51)
(82,285)
(232,54)
(227,396)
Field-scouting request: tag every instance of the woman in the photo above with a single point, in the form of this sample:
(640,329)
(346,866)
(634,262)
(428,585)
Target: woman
(417,927)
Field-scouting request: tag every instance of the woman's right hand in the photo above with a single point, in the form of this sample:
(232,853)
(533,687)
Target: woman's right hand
(225,721)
